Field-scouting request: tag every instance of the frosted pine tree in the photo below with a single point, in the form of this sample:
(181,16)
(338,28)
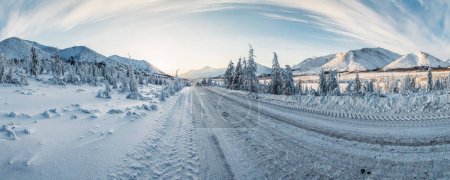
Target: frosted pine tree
(368,87)
(228,76)
(429,79)
(3,69)
(238,75)
(251,80)
(349,88)
(299,86)
(276,83)
(357,84)
(322,88)
(288,81)
(244,75)
(35,62)
(332,83)
(58,65)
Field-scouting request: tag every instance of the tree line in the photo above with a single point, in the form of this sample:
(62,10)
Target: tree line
(119,76)
(242,76)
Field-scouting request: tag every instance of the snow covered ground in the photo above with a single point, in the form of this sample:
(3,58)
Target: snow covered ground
(66,132)
(61,132)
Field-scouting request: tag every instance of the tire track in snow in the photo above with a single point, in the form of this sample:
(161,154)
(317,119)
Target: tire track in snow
(315,156)
(170,154)
(345,135)
(214,164)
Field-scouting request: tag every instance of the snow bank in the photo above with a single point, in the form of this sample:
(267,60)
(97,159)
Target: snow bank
(51,113)
(17,115)
(9,129)
(392,104)
(115,111)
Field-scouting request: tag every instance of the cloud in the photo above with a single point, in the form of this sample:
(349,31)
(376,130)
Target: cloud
(392,25)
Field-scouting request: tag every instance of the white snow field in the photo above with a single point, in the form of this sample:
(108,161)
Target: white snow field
(64,132)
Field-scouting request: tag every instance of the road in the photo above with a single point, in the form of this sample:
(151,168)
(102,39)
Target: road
(212,134)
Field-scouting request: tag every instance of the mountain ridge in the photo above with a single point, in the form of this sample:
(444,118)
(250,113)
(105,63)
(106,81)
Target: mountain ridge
(17,48)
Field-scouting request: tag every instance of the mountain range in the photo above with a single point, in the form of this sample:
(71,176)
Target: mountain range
(368,59)
(214,72)
(20,49)
(353,60)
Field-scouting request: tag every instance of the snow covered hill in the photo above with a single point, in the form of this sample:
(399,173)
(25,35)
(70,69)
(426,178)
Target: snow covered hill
(203,72)
(21,49)
(416,60)
(82,54)
(214,72)
(137,64)
(353,60)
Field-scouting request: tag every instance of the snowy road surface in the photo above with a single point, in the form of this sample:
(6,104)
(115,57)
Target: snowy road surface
(209,133)
(214,135)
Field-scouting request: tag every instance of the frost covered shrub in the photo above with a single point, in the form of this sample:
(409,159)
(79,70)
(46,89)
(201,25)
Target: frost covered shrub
(115,111)
(105,93)
(134,95)
(9,128)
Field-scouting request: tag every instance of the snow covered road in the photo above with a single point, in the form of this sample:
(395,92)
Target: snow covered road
(261,140)
(211,133)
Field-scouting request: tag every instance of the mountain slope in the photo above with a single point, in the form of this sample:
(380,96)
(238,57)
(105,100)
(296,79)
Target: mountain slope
(416,60)
(81,54)
(353,60)
(136,64)
(21,49)
(214,72)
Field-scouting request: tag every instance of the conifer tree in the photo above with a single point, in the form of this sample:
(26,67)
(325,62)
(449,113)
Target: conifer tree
(429,79)
(35,62)
(288,82)
(276,83)
(228,76)
(251,80)
(322,89)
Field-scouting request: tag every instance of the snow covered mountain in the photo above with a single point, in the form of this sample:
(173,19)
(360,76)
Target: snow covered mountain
(416,60)
(353,60)
(137,64)
(203,73)
(214,72)
(81,54)
(21,49)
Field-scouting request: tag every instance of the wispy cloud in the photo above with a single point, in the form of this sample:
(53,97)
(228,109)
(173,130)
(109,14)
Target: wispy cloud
(309,27)
(390,24)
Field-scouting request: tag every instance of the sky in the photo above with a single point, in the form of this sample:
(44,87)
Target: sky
(191,34)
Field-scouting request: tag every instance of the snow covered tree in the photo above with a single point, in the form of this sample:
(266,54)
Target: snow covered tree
(322,88)
(238,75)
(228,76)
(162,94)
(288,81)
(408,85)
(276,83)
(3,69)
(393,86)
(357,84)
(429,79)
(368,87)
(300,86)
(58,69)
(438,85)
(349,88)
(332,83)
(105,93)
(251,80)
(35,62)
